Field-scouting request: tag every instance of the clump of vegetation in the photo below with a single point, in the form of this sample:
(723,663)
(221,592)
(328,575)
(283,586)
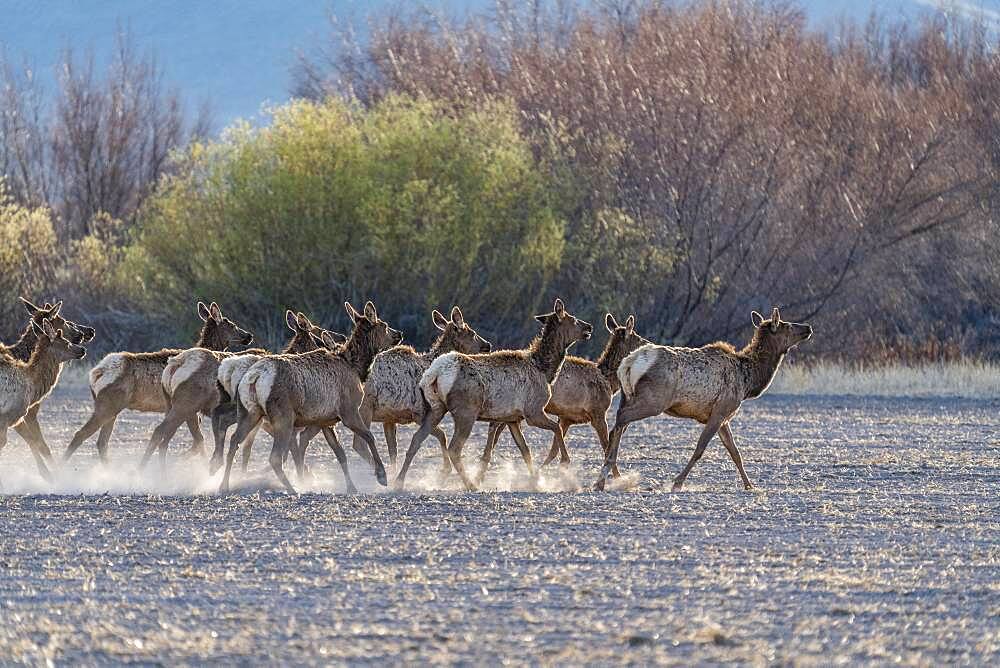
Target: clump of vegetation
(408,201)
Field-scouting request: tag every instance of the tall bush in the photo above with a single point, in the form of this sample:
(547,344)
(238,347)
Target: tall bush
(407,202)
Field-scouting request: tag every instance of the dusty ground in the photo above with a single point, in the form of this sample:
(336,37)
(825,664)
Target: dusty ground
(873,538)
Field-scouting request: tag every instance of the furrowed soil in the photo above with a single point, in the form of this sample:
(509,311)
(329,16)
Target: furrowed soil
(873,537)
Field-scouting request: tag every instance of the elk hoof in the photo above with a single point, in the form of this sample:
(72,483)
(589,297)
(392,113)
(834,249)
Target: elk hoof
(380,476)
(599,485)
(678,485)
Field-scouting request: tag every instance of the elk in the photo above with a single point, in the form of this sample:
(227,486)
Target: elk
(392,391)
(23,385)
(231,370)
(314,389)
(506,386)
(25,345)
(583,390)
(706,384)
(22,350)
(132,381)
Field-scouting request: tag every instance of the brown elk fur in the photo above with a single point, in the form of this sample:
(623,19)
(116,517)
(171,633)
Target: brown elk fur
(74,332)
(392,391)
(307,337)
(583,390)
(191,383)
(133,381)
(314,389)
(506,386)
(23,386)
(25,345)
(706,384)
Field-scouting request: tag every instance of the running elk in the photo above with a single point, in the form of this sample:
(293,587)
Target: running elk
(314,389)
(706,384)
(306,337)
(25,345)
(134,381)
(392,391)
(506,386)
(23,385)
(583,390)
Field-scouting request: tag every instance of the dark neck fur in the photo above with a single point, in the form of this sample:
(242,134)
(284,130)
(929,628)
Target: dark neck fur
(546,353)
(301,342)
(611,357)
(210,337)
(43,370)
(760,360)
(25,345)
(360,350)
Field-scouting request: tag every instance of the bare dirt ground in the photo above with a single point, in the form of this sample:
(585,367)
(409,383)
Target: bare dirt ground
(874,537)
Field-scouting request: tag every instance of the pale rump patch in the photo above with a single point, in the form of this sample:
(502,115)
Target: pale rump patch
(255,387)
(107,372)
(439,378)
(635,366)
(179,368)
(232,370)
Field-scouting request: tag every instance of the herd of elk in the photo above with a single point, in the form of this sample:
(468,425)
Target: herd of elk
(323,378)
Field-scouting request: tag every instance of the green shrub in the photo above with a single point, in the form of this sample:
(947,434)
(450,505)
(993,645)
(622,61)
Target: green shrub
(406,203)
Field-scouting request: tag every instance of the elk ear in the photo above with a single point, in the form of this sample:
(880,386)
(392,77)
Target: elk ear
(370,312)
(291,321)
(457,317)
(203,312)
(215,312)
(610,323)
(336,336)
(29,307)
(757,319)
(630,324)
(543,317)
(55,308)
(559,308)
(439,320)
(303,322)
(329,340)
(351,313)
(775,318)
(50,331)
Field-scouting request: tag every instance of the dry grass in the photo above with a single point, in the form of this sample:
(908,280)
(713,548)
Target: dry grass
(964,379)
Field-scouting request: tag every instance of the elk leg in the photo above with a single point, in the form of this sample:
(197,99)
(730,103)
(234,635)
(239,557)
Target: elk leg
(198,446)
(463,427)
(248,448)
(442,440)
(430,422)
(492,436)
(728,440)
(161,436)
(522,445)
(224,416)
(338,452)
(711,428)
(284,437)
(389,431)
(103,413)
(245,429)
(30,420)
(543,421)
(352,420)
(629,411)
(104,438)
(29,437)
(600,425)
(564,426)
